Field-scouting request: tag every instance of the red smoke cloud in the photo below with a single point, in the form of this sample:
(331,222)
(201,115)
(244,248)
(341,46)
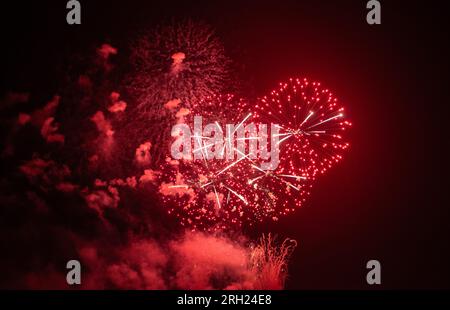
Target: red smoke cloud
(101,199)
(143,156)
(148,176)
(106,50)
(116,104)
(103,125)
(49,131)
(193,261)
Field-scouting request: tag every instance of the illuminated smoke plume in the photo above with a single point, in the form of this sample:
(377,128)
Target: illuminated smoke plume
(104,53)
(172,104)
(99,200)
(148,176)
(143,156)
(116,104)
(45,174)
(49,131)
(193,261)
(106,50)
(103,125)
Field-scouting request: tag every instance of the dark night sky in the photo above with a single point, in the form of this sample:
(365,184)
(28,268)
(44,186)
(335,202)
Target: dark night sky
(386,200)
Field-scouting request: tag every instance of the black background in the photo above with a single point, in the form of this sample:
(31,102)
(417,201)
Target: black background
(388,199)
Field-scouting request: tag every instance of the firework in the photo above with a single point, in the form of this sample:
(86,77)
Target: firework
(312,126)
(269,261)
(182,61)
(175,67)
(200,192)
(216,193)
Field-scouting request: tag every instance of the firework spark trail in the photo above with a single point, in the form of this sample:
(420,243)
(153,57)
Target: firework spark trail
(269,261)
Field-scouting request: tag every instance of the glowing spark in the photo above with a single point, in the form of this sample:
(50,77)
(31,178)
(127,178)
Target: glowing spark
(327,120)
(306,119)
(240,124)
(237,195)
(232,164)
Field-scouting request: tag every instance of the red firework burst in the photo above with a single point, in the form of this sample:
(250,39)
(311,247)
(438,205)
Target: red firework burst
(312,126)
(182,61)
(198,191)
(217,193)
(175,66)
